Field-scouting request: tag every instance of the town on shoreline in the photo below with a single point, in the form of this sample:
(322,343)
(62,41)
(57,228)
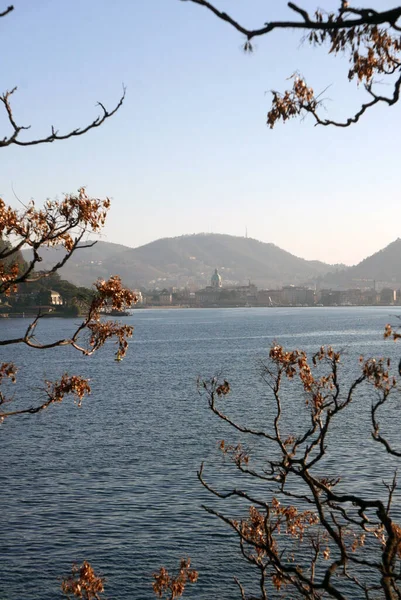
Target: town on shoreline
(218,295)
(67,300)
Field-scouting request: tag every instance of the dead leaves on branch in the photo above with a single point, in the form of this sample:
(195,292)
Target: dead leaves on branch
(377,372)
(83,583)
(261,530)
(389,331)
(73,385)
(8,373)
(320,391)
(372,50)
(370,38)
(304,531)
(166,585)
(50,225)
(8,275)
(237,453)
(109,293)
(102,331)
(55,391)
(223,389)
(60,223)
(295,363)
(292,102)
(8,370)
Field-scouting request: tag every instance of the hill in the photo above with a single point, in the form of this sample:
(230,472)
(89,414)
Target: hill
(383,267)
(188,260)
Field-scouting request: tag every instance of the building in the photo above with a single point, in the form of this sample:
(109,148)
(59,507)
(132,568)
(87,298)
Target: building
(211,293)
(270,298)
(388,296)
(215,281)
(369,297)
(165,297)
(55,298)
(233,295)
(332,297)
(294,295)
(246,293)
(289,295)
(208,295)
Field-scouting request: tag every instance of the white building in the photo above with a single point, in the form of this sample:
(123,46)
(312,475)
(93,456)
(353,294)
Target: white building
(55,298)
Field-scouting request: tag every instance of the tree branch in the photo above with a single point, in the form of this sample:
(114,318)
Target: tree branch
(54,135)
(7,11)
(365,17)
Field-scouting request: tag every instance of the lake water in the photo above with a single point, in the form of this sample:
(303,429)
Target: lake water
(115,481)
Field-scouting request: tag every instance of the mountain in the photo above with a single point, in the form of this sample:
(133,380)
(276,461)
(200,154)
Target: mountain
(187,260)
(16,257)
(383,267)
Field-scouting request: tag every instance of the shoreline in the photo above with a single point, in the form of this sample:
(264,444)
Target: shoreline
(185,306)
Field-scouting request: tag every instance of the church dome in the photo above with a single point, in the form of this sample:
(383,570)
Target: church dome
(216,279)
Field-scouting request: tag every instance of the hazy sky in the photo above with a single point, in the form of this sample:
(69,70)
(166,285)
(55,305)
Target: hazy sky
(189,151)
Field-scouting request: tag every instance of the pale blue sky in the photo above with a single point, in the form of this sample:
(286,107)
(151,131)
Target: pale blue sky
(190,151)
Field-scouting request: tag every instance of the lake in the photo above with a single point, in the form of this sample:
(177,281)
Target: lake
(114,482)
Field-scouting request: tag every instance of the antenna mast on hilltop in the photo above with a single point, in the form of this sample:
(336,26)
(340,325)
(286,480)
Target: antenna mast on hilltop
(246,232)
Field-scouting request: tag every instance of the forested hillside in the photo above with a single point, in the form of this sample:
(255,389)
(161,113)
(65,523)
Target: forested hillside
(190,260)
(384,267)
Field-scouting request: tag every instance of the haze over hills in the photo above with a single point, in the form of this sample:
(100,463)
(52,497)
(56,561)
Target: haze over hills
(188,261)
(191,259)
(383,267)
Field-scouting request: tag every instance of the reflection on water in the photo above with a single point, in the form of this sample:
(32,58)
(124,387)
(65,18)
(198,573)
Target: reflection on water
(115,482)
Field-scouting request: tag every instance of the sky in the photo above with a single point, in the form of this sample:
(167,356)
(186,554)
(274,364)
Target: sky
(190,151)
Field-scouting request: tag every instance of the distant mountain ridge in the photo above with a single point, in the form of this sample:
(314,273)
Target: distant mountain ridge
(188,260)
(383,267)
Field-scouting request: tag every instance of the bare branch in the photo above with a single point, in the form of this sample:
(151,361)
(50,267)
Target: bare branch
(52,225)
(369,38)
(6,11)
(311,552)
(54,135)
(368,17)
